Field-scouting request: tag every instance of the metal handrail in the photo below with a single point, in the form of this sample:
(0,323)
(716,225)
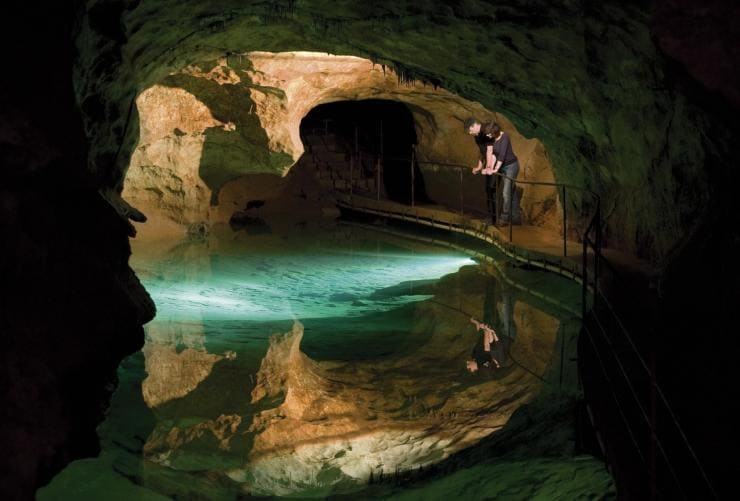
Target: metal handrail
(519,181)
(643,412)
(561,187)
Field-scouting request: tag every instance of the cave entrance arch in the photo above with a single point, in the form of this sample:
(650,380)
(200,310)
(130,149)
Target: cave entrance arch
(374,131)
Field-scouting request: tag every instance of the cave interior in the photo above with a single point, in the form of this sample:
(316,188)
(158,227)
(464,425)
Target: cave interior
(179,147)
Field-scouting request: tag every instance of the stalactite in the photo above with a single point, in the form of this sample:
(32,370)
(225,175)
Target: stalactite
(275,12)
(327,25)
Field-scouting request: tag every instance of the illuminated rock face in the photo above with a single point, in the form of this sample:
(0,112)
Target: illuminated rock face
(591,84)
(290,84)
(173,373)
(164,179)
(309,79)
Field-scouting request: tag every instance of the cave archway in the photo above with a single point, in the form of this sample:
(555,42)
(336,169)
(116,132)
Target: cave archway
(378,133)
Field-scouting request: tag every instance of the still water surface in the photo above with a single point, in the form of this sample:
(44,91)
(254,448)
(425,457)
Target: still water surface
(301,362)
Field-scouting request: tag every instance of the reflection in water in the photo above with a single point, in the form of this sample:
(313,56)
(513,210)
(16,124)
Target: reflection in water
(497,330)
(176,361)
(366,376)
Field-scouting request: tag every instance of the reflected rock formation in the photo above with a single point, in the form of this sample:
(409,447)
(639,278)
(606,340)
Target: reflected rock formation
(325,426)
(173,374)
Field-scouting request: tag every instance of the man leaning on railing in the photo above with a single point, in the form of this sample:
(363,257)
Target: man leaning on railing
(485,141)
(495,148)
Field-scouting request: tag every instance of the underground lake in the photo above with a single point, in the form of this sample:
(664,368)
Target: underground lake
(330,359)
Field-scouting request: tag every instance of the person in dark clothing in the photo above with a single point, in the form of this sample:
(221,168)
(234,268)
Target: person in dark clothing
(508,165)
(482,355)
(492,348)
(485,141)
(499,157)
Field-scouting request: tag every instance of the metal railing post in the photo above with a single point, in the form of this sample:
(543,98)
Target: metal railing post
(462,211)
(584,275)
(377,176)
(653,455)
(381,140)
(511,206)
(413,153)
(565,225)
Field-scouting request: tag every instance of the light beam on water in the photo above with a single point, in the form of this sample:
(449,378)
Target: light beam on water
(288,286)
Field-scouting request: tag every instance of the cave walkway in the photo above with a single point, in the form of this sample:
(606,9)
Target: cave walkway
(532,245)
(529,244)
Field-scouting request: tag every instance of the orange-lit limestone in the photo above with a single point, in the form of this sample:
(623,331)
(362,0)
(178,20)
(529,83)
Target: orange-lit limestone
(163,179)
(356,417)
(290,84)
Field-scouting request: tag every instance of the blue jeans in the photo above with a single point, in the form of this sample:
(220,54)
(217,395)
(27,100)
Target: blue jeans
(508,189)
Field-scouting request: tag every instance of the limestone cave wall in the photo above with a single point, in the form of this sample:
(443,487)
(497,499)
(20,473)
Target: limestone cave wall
(587,80)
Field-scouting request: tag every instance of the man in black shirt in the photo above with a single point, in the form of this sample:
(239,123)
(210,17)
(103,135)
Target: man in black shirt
(482,355)
(495,148)
(485,145)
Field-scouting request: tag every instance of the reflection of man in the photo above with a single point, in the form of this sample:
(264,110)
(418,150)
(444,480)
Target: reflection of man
(482,351)
(498,326)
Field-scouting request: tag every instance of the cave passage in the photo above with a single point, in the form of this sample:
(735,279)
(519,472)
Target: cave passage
(377,129)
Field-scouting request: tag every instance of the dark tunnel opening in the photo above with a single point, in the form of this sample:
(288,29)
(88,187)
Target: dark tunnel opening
(379,135)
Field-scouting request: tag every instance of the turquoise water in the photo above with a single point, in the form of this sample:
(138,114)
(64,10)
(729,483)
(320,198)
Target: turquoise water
(294,283)
(212,408)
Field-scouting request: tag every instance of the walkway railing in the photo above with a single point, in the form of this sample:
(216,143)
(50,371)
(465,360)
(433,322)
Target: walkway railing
(630,380)
(560,188)
(636,402)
